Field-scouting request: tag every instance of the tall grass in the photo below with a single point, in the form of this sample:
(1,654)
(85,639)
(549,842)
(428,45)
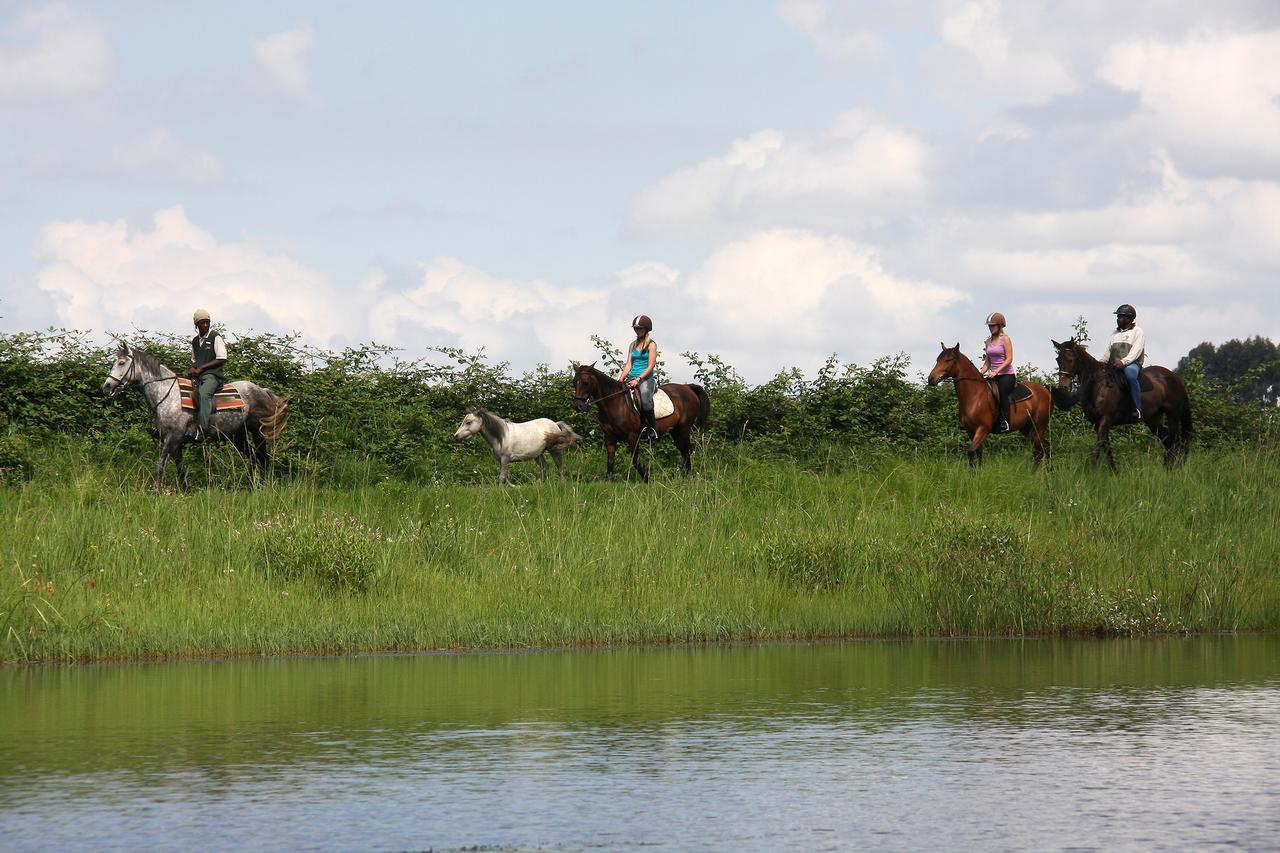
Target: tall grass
(95,566)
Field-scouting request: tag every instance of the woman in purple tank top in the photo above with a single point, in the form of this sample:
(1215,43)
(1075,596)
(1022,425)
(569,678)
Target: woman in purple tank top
(997,366)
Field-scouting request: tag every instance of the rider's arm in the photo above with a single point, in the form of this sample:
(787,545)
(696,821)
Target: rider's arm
(1008,351)
(986,361)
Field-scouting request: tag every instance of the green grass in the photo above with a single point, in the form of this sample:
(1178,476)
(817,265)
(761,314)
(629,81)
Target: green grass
(96,567)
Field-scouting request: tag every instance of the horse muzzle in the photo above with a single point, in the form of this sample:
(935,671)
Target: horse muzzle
(581,403)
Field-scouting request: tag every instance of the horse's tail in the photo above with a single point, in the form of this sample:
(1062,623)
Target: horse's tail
(1064,398)
(272,414)
(704,405)
(565,440)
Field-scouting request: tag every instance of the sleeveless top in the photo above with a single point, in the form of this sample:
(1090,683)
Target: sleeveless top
(639,361)
(995,358)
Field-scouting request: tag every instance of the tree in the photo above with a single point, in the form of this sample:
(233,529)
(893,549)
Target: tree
(1249,369)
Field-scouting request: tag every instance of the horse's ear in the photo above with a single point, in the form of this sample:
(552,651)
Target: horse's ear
(592,365)
(574,364)
(1056,345)
(122,346)
(941,344)
(957,346)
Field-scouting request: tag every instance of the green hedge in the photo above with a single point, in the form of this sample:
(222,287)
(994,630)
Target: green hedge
(364,409)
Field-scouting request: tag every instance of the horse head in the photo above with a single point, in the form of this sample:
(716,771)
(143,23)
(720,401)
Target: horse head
(122,372)
(585,385)
(946,365)
(1069,360)
(471,424)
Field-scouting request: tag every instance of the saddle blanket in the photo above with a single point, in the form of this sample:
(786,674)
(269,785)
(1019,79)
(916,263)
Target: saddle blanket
(226,399)
(662,405)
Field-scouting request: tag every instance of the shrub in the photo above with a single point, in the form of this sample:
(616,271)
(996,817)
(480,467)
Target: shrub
(814,560)
(338,552)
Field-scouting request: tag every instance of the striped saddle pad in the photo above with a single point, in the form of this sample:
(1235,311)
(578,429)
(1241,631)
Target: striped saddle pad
(226,398)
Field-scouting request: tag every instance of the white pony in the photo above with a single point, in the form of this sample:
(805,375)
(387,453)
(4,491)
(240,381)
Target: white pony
(513,442)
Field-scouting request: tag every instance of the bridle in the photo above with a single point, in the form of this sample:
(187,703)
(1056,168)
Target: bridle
(587,398)
(124,381)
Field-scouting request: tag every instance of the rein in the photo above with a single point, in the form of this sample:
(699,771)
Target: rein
(123,382)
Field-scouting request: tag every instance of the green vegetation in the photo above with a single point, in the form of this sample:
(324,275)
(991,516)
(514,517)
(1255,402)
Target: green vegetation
(753,548)
(831,506)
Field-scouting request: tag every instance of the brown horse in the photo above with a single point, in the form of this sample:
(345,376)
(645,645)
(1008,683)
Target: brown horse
(979,407)
(1104,398)
(621,423)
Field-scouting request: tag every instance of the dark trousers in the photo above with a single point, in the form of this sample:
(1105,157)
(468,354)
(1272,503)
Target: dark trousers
(1004,389)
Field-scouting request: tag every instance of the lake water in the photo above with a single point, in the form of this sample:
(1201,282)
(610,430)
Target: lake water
(1117,744)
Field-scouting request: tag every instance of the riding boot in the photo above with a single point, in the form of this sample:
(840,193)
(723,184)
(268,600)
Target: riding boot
(650,425)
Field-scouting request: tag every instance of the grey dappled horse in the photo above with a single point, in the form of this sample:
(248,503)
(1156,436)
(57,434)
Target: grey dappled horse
(250,429)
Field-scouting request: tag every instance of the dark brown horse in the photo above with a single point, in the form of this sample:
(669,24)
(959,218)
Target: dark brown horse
(621,423)
(979,407)
(1104,398)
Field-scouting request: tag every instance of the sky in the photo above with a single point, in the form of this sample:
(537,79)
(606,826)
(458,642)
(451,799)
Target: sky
(772,182)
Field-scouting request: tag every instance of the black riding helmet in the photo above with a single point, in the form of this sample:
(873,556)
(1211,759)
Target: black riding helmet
(1126,310)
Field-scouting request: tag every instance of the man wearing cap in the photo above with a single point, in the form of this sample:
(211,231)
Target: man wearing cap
(1128,351)
(208,355)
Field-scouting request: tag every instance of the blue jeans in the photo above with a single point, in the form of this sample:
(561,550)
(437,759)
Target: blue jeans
(1131,376)
(646,389)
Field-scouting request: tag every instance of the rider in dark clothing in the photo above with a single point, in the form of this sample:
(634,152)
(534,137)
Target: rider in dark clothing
(208,355)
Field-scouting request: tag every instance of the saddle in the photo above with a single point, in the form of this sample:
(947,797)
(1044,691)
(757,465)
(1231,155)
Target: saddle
(1019,393)
(662,405)
(226,398)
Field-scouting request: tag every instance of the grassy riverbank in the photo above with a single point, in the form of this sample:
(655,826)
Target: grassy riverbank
(98,568)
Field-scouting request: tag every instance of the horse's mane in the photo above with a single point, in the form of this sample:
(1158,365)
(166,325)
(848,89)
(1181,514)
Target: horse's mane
(491,425)
(605,379)
(149,361)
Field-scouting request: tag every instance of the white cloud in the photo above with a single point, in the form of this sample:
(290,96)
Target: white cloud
(284,61)
(155,158)
(859,170)
(1211,99)
(1007,67)
(111,275)
(53,52)
(831,39)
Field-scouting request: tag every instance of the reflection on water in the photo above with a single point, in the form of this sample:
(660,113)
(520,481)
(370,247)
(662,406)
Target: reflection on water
(983,745)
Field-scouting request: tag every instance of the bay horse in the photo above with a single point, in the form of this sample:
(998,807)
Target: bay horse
(980,408)
(1104,399)
(518,442)
(621,423)
(251,428)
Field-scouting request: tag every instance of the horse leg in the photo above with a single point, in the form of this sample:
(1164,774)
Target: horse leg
(680,435)
(170,443)
(542,463)
(240,441)
(261,455)
(182,468)
(634,444)
(978,436)
(504,462)
(559,460)
(611,448)
(1103,445)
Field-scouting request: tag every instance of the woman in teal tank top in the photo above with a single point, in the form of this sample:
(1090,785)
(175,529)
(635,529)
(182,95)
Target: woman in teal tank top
(637,372)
